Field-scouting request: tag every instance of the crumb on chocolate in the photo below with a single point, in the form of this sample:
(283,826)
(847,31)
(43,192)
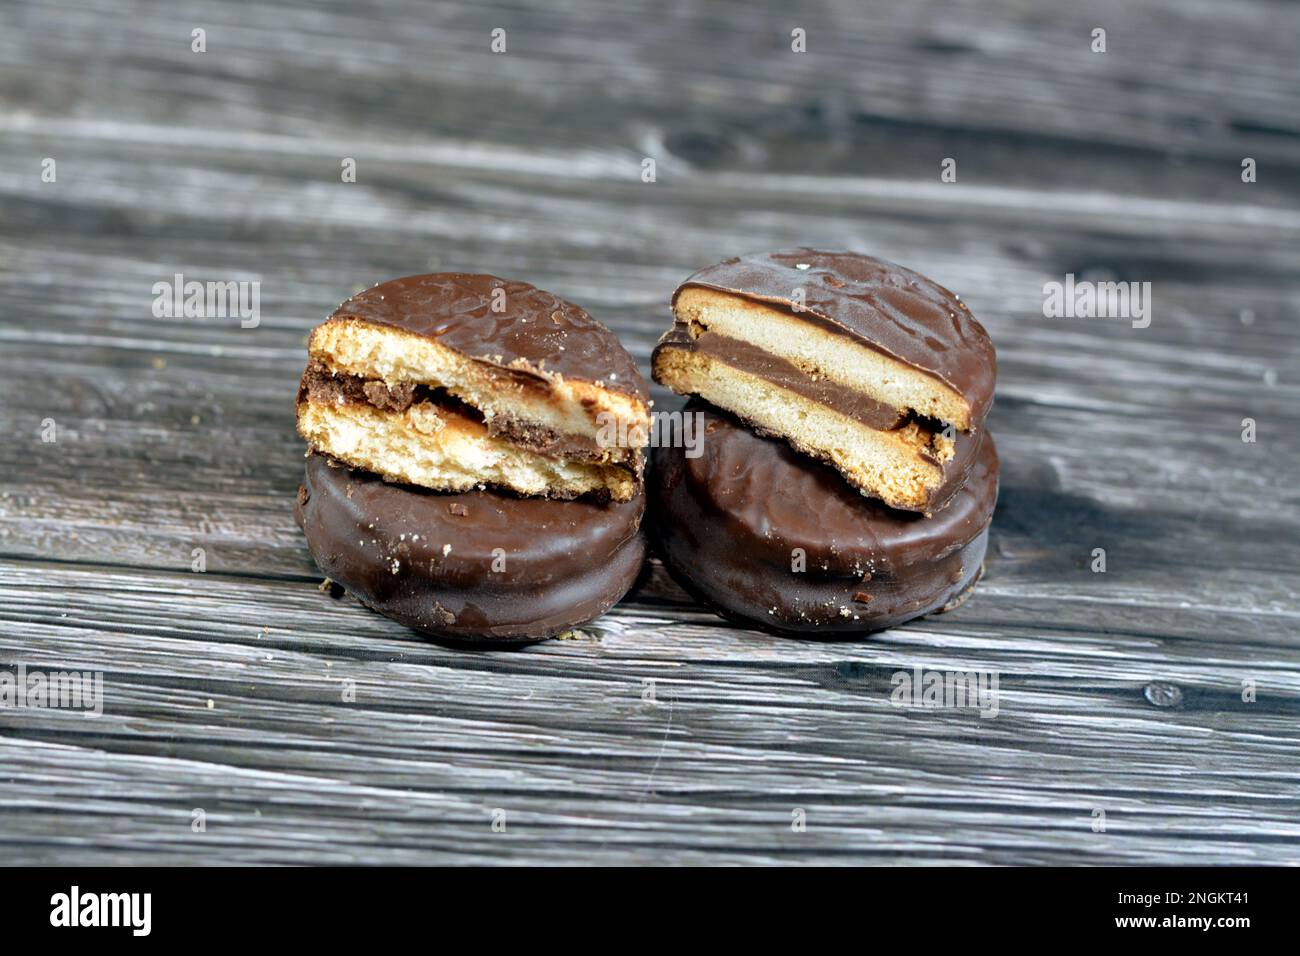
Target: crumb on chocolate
(331,587)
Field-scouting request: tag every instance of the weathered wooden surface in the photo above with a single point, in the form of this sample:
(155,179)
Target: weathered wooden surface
(1120,691)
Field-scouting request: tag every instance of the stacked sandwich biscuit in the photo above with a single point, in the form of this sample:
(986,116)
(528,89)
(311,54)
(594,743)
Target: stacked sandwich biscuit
(846,481)
(458,477)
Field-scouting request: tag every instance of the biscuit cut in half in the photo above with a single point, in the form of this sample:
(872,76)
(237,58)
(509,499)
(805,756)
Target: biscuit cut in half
(859,363)
(456,381)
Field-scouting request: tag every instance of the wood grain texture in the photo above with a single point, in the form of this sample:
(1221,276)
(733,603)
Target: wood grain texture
(225,690)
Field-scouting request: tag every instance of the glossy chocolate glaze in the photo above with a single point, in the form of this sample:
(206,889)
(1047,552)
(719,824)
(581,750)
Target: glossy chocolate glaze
(727,524)
(876,303)
(426,559)
(535,333)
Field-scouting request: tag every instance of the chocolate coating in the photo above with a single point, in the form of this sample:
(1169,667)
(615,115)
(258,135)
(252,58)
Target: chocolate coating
(876,303)
(967,448)
(565,562)
(536,332)
(727,523)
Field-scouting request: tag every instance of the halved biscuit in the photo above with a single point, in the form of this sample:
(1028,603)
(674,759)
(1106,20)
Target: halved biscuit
(852,360)
(452,381)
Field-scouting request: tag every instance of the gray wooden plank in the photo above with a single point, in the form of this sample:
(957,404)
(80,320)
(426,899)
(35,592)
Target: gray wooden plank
(744,731)
(639,69)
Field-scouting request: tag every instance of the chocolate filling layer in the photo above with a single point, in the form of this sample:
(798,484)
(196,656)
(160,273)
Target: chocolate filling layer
(746,357)
(323,387)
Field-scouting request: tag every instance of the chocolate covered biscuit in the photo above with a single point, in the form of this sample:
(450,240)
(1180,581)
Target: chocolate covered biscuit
(456,381)
(476,566)
(775,539)
(852,360)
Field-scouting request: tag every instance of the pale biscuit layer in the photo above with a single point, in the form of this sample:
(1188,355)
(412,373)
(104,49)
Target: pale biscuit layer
(437,448)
